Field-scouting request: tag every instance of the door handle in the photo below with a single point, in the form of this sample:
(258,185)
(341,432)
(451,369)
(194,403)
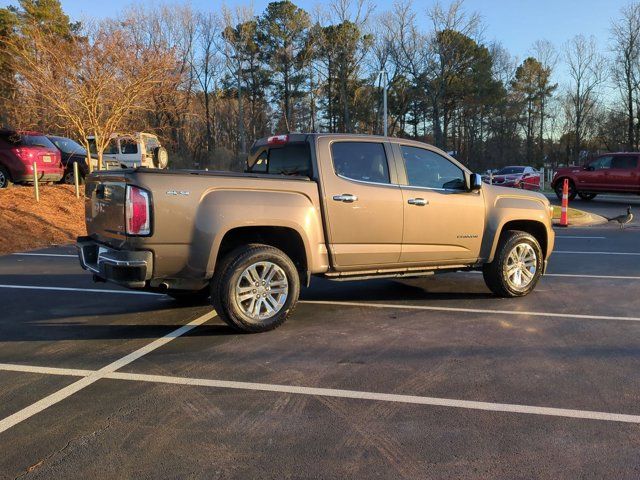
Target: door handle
(345,197)
(421,202)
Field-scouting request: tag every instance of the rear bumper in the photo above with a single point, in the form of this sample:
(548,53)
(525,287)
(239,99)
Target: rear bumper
(126,267)
(42,177)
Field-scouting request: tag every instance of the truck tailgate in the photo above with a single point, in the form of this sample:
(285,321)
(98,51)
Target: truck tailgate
(105,209)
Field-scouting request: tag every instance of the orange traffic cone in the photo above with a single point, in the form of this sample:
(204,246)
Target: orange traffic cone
(564,218)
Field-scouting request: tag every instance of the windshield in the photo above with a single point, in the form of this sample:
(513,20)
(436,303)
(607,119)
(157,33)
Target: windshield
(66,145)
(510,170)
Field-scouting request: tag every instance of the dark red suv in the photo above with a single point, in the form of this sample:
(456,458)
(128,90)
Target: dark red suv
(610,173)
(20,150)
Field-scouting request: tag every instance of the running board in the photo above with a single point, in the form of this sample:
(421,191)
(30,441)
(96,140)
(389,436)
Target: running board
(367,275)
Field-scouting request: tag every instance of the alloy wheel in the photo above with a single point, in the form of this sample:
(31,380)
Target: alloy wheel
(262,290)
(521,267)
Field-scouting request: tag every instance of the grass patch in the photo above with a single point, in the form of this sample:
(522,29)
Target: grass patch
(571,212)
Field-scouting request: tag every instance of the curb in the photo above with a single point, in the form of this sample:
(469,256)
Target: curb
(588,219)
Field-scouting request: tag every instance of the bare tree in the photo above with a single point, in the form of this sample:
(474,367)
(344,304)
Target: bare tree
(625,34)
(585,72)
(93,83)
(451,26)
(236,36)
(547,55)
(208,68)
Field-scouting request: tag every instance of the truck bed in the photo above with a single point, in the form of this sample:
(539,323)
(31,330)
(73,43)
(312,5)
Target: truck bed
(189,208)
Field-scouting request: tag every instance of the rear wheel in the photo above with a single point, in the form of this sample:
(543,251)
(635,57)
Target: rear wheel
(69,178)
(255,288)
(5,178)
(587,196)
(516,267)
(559,187)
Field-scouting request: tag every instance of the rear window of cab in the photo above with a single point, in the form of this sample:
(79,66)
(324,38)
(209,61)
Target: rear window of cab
(290,159)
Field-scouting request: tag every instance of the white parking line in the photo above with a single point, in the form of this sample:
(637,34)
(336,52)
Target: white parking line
(381,305)
(70,289)
(602,277)
(92,376)
(399,306)
(595,253)
(69,372)
(96,375)
(45,255)
(578,275)
(581,237)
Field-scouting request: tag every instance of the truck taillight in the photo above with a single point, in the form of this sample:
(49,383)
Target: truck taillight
(278,140)
(138,211)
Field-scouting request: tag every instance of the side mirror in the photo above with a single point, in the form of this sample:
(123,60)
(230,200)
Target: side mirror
(475,182)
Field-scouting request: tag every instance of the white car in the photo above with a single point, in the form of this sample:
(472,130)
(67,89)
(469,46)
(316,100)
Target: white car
(134,150)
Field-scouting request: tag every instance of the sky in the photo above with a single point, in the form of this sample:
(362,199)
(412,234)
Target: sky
(515,23)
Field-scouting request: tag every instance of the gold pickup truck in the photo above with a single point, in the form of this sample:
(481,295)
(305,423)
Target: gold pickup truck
(338,206)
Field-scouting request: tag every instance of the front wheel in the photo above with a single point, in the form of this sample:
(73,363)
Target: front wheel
(255,288)
(516,267)
(559,187)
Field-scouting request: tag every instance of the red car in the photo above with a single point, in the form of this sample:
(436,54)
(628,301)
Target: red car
(20,150)
(610,173)
(516,177)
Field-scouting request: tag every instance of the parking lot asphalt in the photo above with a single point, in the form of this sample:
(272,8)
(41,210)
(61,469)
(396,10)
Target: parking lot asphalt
(417,378)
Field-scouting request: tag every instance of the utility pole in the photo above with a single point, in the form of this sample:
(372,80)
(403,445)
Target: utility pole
(383,76)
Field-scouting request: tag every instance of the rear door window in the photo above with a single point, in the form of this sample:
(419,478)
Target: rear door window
(624,162)
(363,161)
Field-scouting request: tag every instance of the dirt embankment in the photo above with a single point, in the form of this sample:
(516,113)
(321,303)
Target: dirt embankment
(26,225)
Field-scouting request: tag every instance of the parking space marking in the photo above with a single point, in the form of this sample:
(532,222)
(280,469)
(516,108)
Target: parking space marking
(581,237)
(578,275)
(399,306)
(69,372)
(96,375)
(382,397)
(602,277)
(93,376)
(88,290)
(45,255)
(596,253)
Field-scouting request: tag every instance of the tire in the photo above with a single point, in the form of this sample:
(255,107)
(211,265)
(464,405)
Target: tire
(232,277)
(160,157)
(587,196)
(514,244)
(189,297)
(68,177)
(5,177)
(559,186)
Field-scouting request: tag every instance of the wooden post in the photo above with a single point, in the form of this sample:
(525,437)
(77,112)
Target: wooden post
(76,179)
(35,182)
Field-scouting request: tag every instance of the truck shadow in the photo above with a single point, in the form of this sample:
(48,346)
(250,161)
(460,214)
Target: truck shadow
(432,289)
